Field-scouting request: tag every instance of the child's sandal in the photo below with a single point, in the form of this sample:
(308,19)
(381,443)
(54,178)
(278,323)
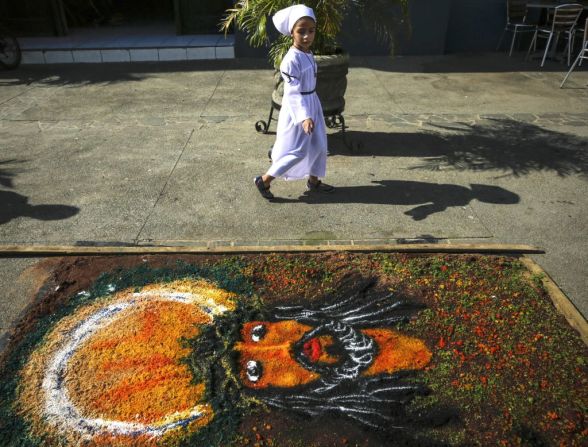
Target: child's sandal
(319,187)
(263,190)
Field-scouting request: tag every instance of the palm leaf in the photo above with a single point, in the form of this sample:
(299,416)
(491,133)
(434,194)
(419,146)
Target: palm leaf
(251,17)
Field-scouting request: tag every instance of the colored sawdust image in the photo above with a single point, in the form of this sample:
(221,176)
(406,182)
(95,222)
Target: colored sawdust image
(329,349)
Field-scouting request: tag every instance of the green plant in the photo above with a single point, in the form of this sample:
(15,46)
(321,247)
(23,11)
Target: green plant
(251,16)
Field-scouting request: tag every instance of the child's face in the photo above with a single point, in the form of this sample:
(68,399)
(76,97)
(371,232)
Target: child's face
(303,33)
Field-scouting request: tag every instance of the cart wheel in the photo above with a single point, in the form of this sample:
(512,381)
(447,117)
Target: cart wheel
(261,126)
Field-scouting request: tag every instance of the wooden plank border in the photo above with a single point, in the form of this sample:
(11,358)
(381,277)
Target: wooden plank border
(561,302)
(559,299)
(74,250)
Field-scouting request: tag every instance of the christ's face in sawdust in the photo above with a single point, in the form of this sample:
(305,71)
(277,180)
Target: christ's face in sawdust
(287,353)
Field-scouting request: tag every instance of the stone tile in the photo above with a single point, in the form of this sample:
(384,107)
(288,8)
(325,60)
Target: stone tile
(225,53)
(201,53)
(58,57)
(223,41)
(144,54)
(87,56)
(205,40)
(32,57)
(172,54)
(115,55)
(177,41)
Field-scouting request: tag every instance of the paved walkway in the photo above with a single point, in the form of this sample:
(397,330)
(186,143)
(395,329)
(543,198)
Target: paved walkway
(464,148)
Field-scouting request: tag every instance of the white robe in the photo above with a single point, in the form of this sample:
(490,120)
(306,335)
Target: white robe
(296,155)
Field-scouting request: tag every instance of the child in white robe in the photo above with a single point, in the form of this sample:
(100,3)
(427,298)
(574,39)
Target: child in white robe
(300,149)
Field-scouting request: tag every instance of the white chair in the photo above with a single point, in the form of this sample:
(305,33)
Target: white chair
(516,21)
(562,22)
(581,56)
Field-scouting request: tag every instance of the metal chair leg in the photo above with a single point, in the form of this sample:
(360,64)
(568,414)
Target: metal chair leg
(514,36)
(501,38)
(533,42)
(581,56)
(546,49)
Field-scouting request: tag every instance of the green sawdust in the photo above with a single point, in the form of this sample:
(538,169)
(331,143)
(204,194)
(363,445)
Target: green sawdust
(501,344)
(214,362)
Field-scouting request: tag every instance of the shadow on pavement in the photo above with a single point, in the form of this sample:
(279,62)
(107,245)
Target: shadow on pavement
(429,198)
(86,74)
(6,175)
(16,205)
(514,147)
(111,73)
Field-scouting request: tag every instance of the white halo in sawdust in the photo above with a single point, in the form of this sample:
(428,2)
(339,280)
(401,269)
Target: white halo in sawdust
(58,406)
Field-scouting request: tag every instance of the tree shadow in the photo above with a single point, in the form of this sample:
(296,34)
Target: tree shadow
(6,174)
(513,147)
(428,198)
(16,205)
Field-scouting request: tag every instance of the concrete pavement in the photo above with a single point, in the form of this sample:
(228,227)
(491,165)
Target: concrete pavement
(460,148)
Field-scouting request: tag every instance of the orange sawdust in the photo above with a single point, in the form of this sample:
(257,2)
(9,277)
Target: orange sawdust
(30,400)
(280,333)
(274,353)
(151,362)
(139,378)
(396,352)
(134,359)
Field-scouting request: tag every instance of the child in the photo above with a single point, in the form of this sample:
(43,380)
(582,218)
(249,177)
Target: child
(300,149)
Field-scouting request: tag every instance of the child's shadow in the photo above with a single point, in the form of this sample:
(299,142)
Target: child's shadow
(430,198)
(15,205)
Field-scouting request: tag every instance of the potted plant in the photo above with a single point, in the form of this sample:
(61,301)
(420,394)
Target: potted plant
(253,17)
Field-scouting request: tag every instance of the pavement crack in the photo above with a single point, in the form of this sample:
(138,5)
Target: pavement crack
(162,192)
(384,86)
(489,232)
(220,78)
(16,96)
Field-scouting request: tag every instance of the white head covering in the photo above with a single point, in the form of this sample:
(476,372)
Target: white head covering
(285,19)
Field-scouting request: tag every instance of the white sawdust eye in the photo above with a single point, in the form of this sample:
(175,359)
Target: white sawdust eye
(253,370)
(258,332)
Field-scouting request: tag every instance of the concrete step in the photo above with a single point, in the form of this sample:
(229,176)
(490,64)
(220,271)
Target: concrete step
(125,44)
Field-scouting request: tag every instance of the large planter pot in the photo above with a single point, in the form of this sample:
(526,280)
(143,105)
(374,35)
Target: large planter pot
(330,86)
